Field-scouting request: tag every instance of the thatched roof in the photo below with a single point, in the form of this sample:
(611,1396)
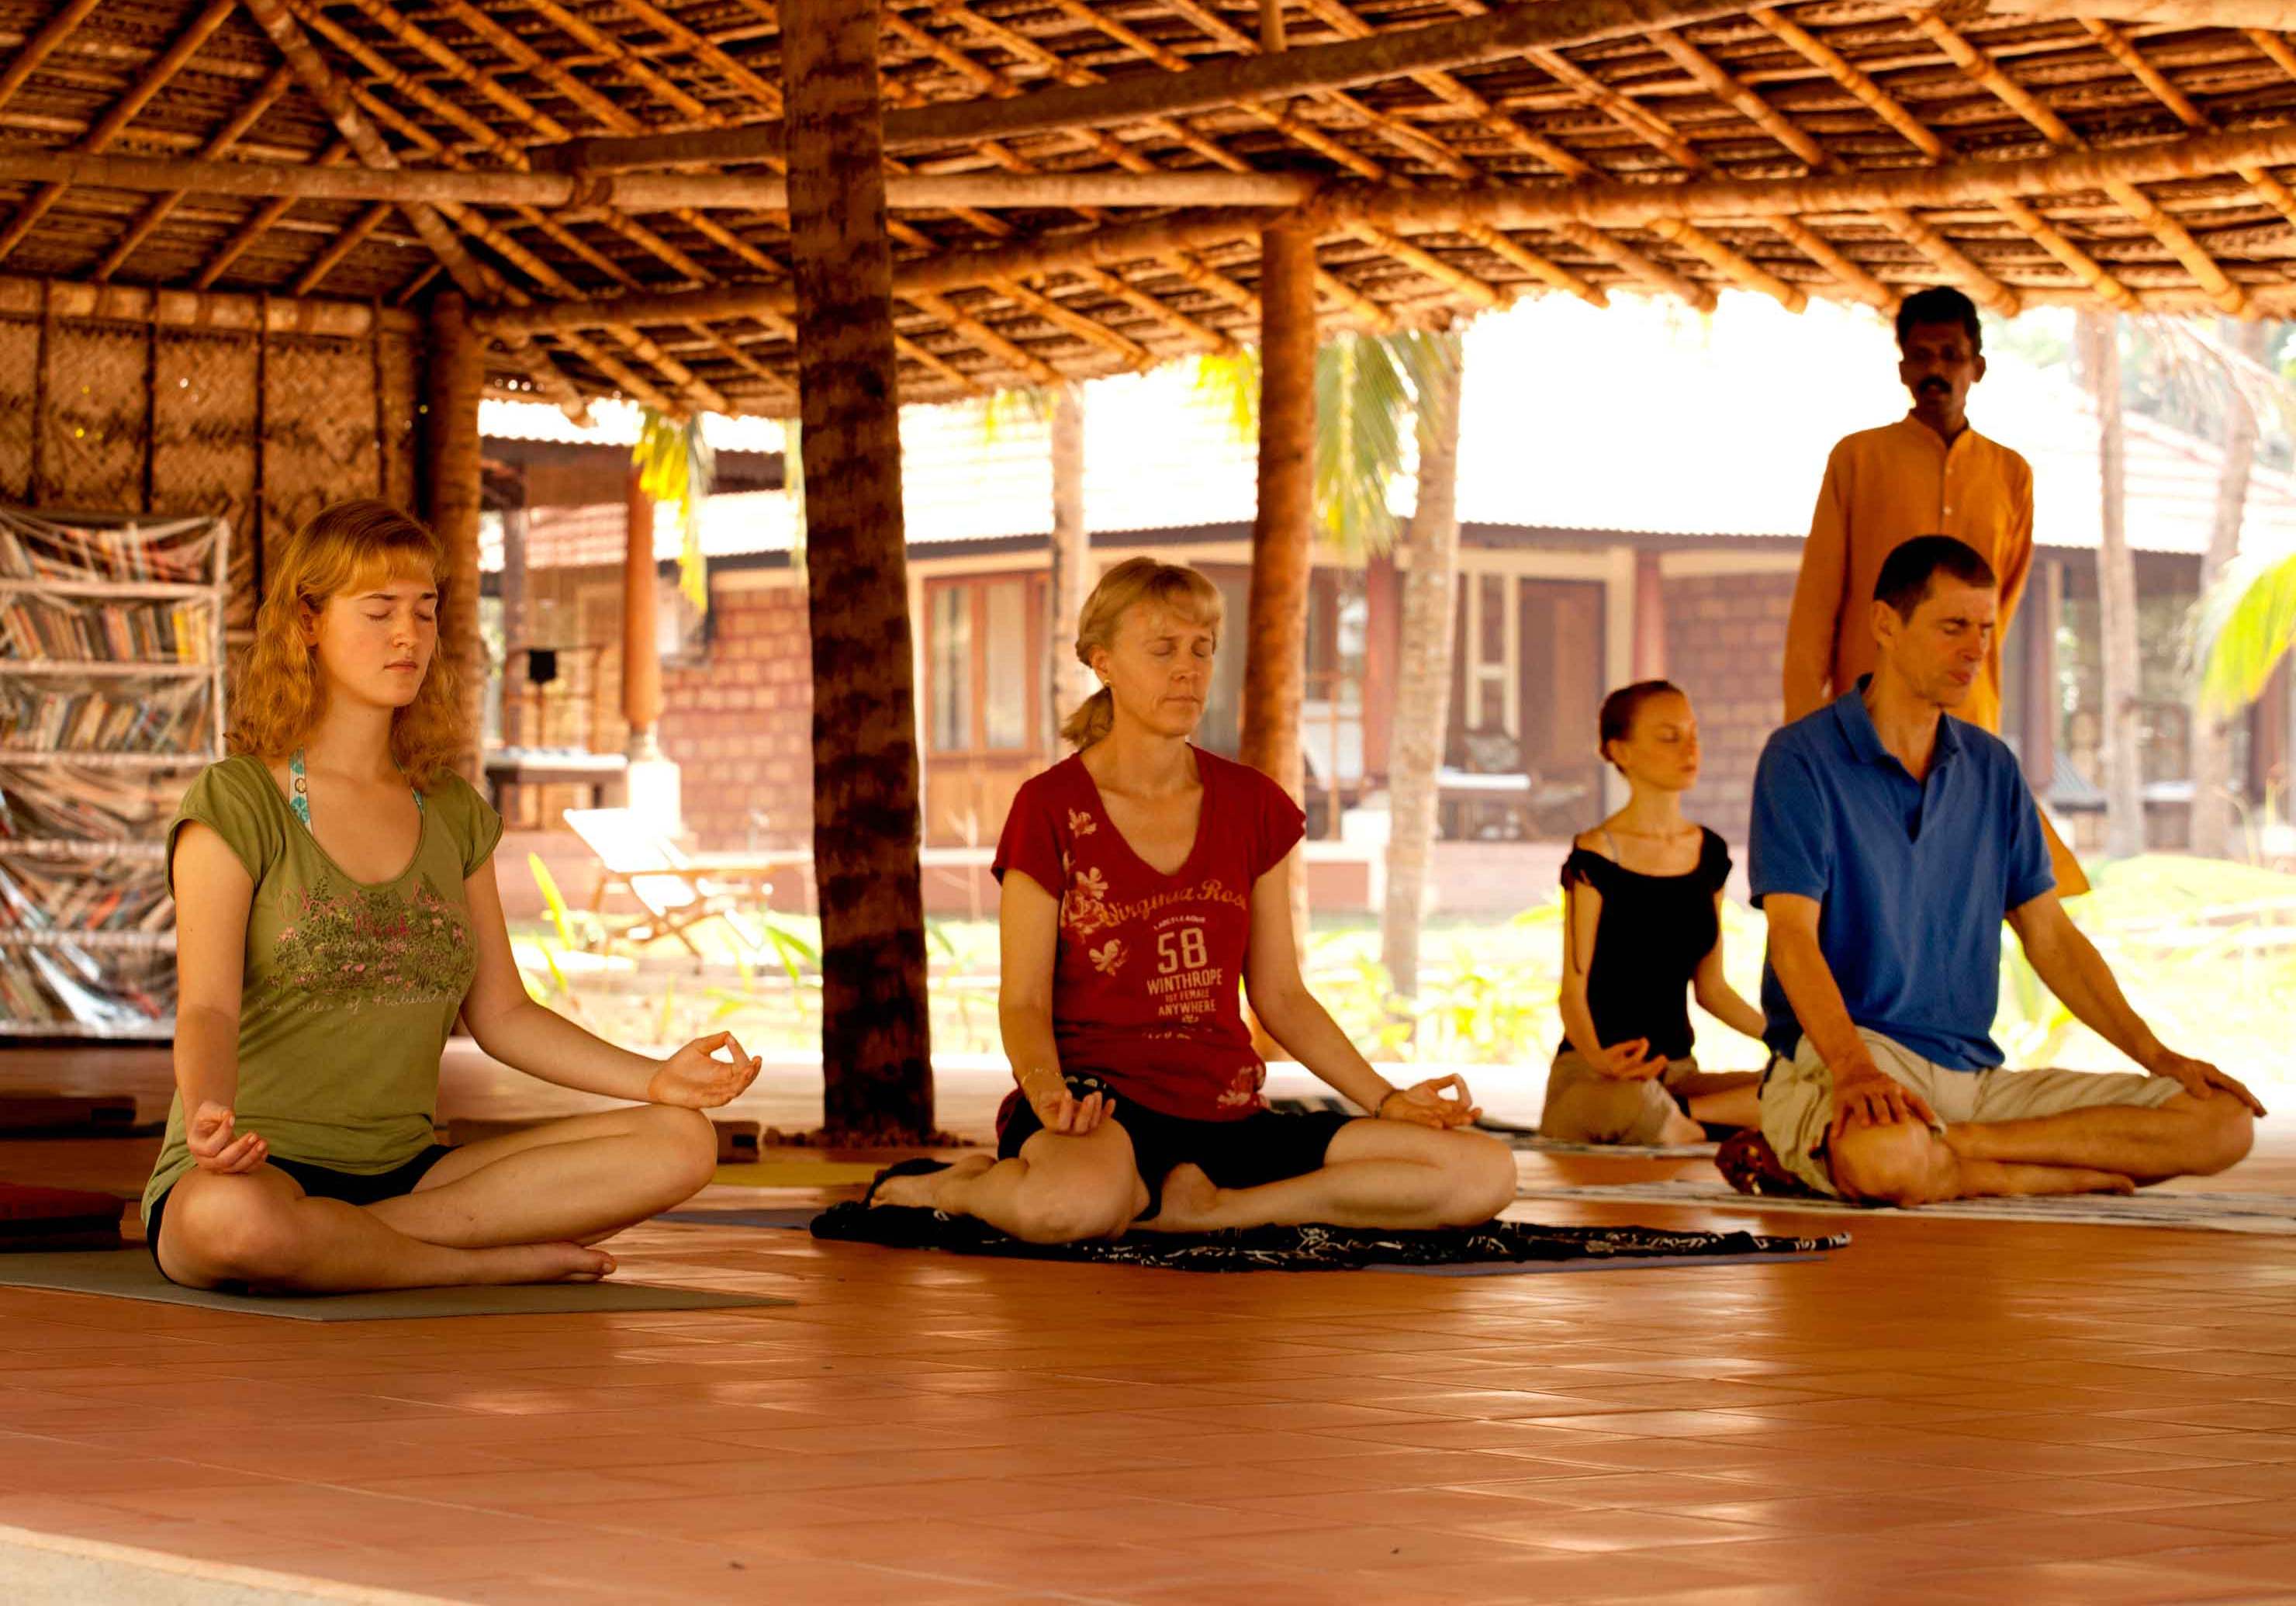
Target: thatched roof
(1078,185)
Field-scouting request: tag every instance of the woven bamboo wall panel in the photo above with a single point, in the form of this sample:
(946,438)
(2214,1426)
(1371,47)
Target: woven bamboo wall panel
(204,441)
(398,367)
(19,349)
(93,416)
(318,430)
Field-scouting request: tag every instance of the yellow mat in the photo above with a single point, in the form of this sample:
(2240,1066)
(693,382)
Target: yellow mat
(796,1174)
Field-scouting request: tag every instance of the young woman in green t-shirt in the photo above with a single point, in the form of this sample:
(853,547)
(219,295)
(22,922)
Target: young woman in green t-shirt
(335,912)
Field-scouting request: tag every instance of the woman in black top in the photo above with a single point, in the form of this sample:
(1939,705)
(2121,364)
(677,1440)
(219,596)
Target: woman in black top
(1643,924)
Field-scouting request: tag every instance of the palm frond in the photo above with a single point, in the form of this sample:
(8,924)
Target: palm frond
(1229,383)
(2247,622)
(677,466)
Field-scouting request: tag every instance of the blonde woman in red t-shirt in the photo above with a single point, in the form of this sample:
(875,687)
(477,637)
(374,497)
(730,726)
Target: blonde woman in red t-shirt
(1143,879)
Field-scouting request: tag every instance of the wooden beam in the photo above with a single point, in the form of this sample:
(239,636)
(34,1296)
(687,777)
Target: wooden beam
(957,270)
(2279,15)
(1752,200)
(1613,204)
(637,192)
(24,297)
(1222,85)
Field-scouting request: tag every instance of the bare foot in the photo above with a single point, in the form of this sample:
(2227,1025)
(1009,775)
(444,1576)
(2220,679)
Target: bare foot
(925,1190)
(544,1263)
(1189,1199)
(1681,1128)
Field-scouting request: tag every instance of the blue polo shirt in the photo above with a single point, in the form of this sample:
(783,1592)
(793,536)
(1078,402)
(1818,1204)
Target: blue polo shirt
(1912,878)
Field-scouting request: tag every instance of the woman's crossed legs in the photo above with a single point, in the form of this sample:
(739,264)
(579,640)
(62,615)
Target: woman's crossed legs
(1059,1189)
(523,1208)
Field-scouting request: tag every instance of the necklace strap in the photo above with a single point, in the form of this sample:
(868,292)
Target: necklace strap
(299,797)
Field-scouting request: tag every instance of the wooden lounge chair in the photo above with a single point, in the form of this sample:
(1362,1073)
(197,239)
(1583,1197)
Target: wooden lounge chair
(676,891)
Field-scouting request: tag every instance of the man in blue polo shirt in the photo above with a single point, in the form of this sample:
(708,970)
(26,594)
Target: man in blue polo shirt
(1889,839)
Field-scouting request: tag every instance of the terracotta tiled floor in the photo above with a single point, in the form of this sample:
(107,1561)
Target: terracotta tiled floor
(1947,1412)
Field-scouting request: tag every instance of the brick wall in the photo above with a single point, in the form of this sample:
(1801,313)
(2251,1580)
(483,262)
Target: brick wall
(740,726)
(1726,647)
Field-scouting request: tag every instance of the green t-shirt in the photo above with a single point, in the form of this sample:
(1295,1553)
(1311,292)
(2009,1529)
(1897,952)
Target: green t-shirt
(350,988)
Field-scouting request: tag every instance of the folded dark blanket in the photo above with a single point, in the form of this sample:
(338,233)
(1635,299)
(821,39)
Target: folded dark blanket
(1311,1248)
(57,1218)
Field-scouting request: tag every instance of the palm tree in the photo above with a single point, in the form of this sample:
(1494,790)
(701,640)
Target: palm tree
(1429,559)
(1370,394)
(2212,740)
(2116,588)
(1072,570)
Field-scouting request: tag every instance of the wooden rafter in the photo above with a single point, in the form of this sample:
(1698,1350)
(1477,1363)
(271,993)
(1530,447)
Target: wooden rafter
(991,81)
(2123,50)
(2172,234)
(1989,292)
(248,114)
(122,113)
(770,95)
(41,45)
(1116,149)
(478,281)
(1220,85)
(691,392)
(262,221)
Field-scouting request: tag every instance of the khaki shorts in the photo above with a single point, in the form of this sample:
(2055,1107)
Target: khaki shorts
(1797,1098)
(1584,1106)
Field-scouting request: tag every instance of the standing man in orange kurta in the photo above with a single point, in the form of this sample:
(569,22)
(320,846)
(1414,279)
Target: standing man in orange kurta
(1928,474)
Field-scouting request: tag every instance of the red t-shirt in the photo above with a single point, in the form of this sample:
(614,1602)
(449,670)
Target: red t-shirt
(1146,980)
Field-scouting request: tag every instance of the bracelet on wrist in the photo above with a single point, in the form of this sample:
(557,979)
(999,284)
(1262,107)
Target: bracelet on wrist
(1380,1109)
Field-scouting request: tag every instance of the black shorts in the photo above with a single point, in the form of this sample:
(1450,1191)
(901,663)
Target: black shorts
(1260,1147)
(323,1182)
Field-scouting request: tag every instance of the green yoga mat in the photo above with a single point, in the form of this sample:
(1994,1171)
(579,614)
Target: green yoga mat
(130,1274)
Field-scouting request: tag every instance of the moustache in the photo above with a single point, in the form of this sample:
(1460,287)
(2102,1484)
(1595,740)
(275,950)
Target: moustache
(1933,387)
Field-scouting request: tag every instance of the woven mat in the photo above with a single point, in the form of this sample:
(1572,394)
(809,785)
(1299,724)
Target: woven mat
(1318,1248)
(2262,1213)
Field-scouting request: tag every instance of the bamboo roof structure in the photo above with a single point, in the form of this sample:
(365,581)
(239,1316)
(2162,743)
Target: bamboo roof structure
(1077,187)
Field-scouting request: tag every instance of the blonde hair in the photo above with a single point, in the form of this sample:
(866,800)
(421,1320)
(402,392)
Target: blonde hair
(1186,591)
(355,546)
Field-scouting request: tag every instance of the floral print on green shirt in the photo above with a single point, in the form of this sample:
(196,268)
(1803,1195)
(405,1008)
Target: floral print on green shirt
(345,945)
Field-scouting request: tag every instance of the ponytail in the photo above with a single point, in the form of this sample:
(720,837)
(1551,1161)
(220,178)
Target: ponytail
(1092,719)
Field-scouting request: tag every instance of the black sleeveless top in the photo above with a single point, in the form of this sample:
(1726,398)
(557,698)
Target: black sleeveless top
(1652,932)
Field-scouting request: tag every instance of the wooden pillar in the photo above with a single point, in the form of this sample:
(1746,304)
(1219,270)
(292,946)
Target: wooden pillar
(641,653)
(1650,618)
(1283,553)
(514,624)
(876,1041)
(455,375)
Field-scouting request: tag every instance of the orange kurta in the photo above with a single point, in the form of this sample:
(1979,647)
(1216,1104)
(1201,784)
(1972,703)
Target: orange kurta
(1882,488)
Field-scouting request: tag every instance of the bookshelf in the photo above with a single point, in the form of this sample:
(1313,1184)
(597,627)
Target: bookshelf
(112,700)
